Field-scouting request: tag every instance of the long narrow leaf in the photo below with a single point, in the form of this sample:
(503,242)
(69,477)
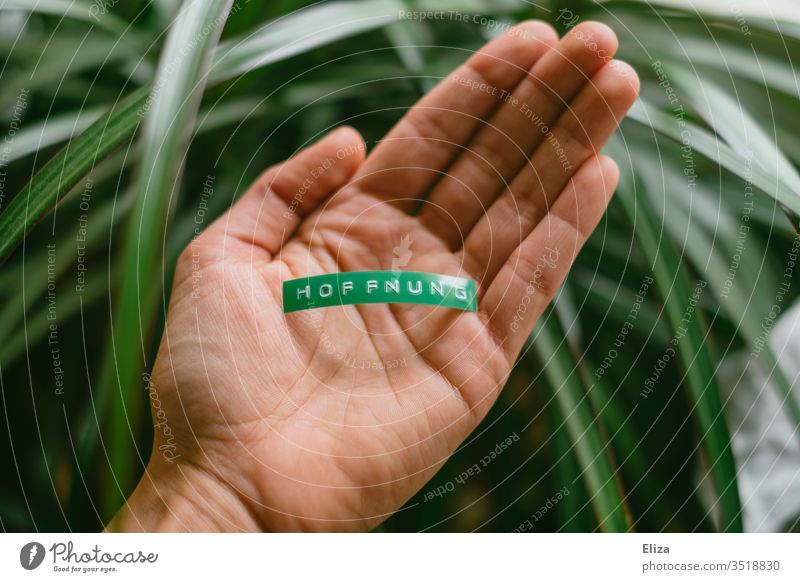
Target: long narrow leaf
(170,113)
(712,148)
(92,13)
(746,137)
(735,125)
(300,32)
(581,423)
(737,296)
(51,131)
(688,342)
(232,58)
(67,168)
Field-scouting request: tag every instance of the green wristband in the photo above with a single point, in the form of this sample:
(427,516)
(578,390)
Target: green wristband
(379,287)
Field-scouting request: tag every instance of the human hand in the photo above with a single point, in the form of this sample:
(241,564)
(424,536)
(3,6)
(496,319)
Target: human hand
(331,419)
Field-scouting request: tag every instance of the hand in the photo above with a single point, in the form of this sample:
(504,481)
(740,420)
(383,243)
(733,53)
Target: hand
(330,419)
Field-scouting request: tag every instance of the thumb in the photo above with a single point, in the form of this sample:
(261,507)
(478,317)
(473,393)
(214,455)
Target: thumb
(275,204)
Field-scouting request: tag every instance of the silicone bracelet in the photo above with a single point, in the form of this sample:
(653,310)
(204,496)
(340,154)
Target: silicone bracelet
(379,287)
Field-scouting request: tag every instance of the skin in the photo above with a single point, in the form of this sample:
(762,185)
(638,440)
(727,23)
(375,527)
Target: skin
(277,422)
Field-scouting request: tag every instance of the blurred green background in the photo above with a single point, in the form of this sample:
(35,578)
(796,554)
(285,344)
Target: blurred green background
(702,224)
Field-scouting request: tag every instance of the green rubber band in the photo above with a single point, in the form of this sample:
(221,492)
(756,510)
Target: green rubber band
(379,287)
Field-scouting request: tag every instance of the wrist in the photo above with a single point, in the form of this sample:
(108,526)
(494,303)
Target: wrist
(175,496)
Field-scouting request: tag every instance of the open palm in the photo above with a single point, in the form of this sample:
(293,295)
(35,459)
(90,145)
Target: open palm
(332,418)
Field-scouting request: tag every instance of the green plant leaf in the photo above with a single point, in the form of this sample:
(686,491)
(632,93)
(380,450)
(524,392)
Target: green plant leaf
(50,63)
(103,220)
(51,131)
(317,26)
(704,143)
(631,453)
(613,300)
(582,424)
(575,509)
(734,124)
(169,111)
(741,297)
(688,338)
(234,57)
(746,137)
(67,168)
(91,13)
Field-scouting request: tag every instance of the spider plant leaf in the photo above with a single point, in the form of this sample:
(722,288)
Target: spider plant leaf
(170,112)
(704,143)
(67,168)
(582,424)
(37,325)
(702,13)
(688,338)
(92,13)
(279,39)
(47,65)
(630,451)
(323,24)
(613,300)
(575,508)
(740,292)
(51,131)
(736,126)
(723,56)
(104,219)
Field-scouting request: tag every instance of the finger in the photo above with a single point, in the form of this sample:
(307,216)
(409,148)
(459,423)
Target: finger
(423,143)
(579,134)
(529,280)
(502,146)
(272,208)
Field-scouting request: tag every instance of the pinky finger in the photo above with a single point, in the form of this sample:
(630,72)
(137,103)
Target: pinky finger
(536,269)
